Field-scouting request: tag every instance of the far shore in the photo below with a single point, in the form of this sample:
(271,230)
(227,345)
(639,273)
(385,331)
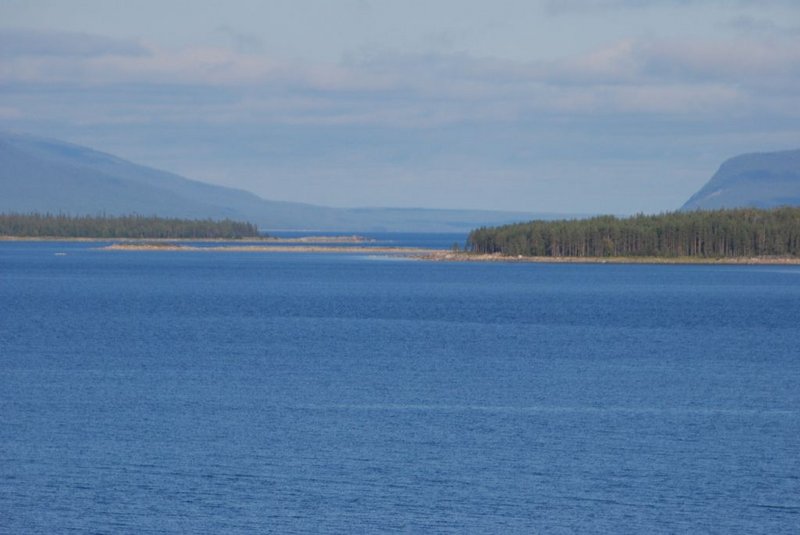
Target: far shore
(443,255)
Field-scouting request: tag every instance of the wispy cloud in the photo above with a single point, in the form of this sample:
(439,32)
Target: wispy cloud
(9,113)
(243,42)
(742,62)
(761,26)
(638,76)
(559,7)
(35,43)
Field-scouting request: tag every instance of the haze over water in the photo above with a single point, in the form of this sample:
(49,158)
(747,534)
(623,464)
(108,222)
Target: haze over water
(201,392)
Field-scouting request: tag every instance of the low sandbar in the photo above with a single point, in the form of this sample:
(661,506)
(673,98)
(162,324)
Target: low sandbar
(344,249)
(443,255)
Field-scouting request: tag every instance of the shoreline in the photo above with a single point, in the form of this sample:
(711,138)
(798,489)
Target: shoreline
(450,256)
(442,255)
(265,239)
(308,245)
(172,247)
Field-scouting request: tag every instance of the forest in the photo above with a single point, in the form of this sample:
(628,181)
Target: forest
(745,232)
(128,226)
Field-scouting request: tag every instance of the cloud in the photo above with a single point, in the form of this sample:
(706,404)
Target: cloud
(49,56)
(559,7)
(9,113)
(744,62)
(760,26)
(394,90)
(570,6)
(744,66)
(35,43)
(243,42)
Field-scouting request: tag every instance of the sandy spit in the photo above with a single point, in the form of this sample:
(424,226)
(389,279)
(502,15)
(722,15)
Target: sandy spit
(442,255)
(266,249)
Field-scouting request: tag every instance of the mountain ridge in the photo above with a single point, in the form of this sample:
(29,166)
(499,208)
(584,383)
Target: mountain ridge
(48,175)
(758,180)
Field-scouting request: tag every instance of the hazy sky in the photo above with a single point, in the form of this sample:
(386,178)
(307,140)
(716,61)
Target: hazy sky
(582,106)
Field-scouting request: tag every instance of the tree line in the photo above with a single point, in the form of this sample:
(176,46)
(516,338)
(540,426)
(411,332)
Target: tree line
(36,225)
(744,232)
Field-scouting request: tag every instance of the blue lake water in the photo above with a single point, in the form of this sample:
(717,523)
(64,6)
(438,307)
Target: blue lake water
(152,392)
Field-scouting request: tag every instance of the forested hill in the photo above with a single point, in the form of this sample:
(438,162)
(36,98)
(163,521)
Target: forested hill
(704,234)
(132,226)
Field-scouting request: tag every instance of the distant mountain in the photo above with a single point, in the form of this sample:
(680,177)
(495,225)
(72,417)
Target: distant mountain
(45,175)
(761,180)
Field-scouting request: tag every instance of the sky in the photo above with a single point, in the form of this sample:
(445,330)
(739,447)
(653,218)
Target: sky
(570,106)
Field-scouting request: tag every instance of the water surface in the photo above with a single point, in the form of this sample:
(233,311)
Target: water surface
(155,392)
